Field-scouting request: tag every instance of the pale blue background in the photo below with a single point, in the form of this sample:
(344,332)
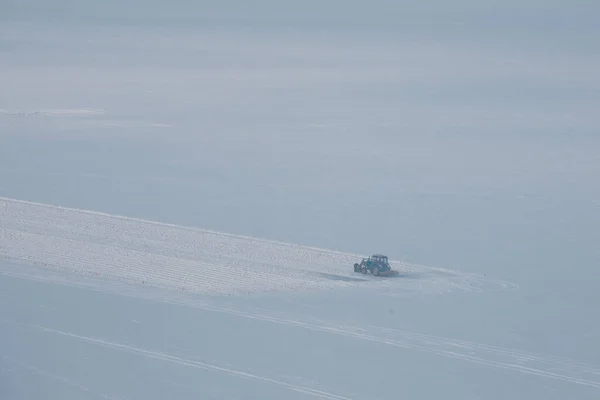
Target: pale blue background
(461,136)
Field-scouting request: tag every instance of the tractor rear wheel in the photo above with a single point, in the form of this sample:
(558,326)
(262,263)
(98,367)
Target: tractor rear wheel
(376,271)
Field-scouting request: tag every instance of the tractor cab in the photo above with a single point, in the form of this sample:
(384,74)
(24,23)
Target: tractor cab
(380,259)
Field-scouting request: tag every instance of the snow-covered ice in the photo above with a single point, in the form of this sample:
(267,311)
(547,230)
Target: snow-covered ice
(185,186)
(93,244)
(90,252)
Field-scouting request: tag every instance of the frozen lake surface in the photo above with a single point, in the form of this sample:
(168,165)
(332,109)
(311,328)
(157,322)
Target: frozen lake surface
(87,296)
(185,187)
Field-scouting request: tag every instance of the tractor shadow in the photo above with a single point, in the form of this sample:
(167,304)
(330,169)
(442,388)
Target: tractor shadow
(367,277)
(335,277)
(405,275)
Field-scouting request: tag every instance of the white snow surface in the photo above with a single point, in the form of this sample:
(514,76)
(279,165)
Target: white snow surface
(117,248)
(119,257)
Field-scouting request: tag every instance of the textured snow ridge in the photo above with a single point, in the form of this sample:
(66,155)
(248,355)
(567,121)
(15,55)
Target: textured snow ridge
(63,113)
(96,245)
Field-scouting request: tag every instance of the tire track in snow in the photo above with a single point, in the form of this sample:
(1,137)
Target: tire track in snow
(432,344)
(354,332)
(59,378)
(189,363)
(469,345)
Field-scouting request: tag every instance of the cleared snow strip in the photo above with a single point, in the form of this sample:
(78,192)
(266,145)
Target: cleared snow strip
(118,248)
(93,259)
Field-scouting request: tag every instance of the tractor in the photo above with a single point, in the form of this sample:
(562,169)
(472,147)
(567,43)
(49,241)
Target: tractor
(377,264)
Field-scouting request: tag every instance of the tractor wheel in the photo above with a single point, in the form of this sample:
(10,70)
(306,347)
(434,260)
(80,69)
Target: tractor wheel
(376,271)
(363,270)
(356,267)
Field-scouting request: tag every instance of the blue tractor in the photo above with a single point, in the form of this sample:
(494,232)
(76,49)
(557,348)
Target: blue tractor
(377,265)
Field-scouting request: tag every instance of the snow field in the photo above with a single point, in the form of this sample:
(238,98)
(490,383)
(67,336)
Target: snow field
(496,358)
(130,257)
(150,253)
